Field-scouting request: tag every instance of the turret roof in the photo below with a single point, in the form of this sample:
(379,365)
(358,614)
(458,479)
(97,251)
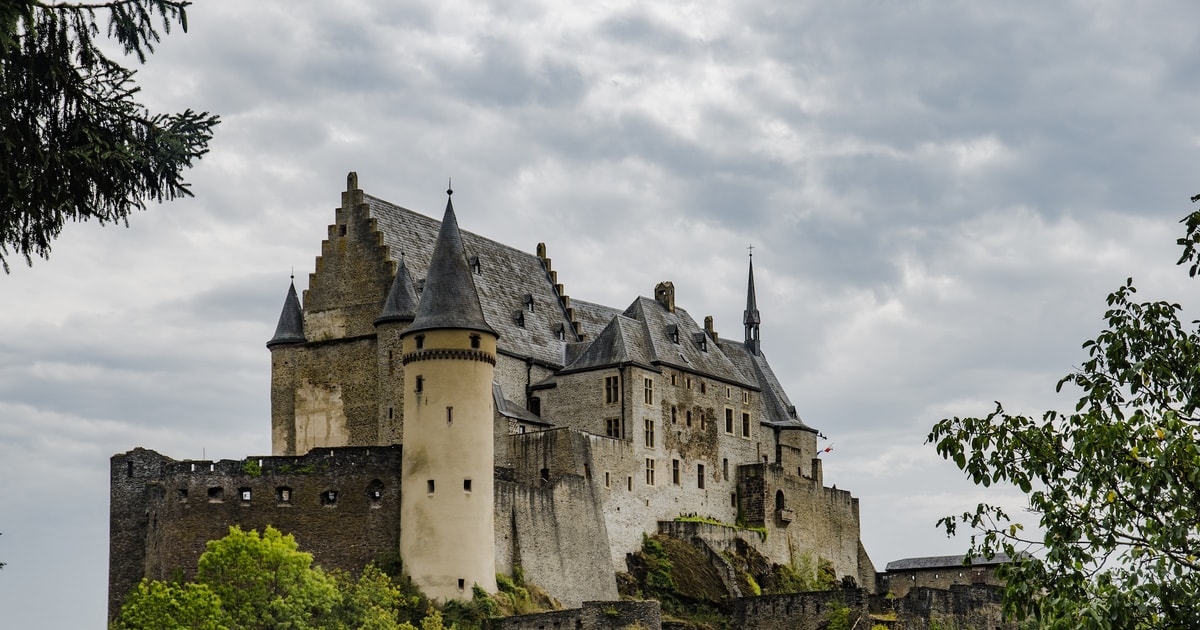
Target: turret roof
(449,299)
(401,304)
(291,321)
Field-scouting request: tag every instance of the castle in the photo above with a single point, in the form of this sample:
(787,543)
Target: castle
(440,395)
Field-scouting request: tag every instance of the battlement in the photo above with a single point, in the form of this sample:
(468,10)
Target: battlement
(341,504)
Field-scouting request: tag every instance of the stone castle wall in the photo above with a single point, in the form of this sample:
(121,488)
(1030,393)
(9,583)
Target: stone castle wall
(163,511)
(608,615)
(555,533)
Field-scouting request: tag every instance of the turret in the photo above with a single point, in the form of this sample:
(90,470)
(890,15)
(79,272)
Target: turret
(750,316)
(399,310)
(285,348)
(447,533)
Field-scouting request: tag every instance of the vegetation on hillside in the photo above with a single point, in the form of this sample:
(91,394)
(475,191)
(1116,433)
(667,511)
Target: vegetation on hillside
(248,581)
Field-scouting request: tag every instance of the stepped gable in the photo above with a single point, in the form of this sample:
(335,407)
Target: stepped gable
(401,304)
(505,275)
(290,328)
(694,352)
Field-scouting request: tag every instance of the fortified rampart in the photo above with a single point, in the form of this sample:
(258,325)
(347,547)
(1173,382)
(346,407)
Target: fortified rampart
(607,615)
(341,504)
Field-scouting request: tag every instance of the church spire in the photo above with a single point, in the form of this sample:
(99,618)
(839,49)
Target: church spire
(291,321)
(449,299)
(750,316)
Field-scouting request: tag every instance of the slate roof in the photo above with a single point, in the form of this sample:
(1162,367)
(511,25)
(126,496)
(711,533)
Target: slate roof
(639,334)
(450,299)
(509,409)
(401,304)
(505,276)
(290,328)
(942,562)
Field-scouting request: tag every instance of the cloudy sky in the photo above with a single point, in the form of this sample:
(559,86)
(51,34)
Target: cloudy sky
(939,195)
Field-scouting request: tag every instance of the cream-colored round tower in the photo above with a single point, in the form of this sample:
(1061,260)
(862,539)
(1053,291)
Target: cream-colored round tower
(447,523)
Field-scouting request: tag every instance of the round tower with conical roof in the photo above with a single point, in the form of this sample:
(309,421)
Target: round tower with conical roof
(447,526)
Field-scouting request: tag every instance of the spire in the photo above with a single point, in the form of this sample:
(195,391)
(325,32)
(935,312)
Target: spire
(401,304)
(291,321)
(449,299)
(750,316)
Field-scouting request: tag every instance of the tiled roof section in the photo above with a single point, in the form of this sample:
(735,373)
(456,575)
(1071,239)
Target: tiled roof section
(449,299)
(401,304)
(504,277)
(592,317)
(942,562)
(620,342)
(695,350)
(775,405)
(291,321)
(509,409)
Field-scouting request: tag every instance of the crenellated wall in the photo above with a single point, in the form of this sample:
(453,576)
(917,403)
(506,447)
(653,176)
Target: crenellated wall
(163,511)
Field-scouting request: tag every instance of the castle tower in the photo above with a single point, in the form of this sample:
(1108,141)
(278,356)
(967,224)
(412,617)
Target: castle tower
(750,316)
(285,347)
(447,530)
(399,310)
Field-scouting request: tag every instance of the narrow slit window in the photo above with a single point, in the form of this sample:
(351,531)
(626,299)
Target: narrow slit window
(700,476)
(420,384)
(449,415)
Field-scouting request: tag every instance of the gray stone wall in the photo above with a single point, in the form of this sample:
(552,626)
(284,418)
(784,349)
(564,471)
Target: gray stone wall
(163,511)
(556,534)
(899,583)
(598,615)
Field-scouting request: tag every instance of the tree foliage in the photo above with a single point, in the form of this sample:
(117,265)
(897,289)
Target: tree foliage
(76,143)
(246,581)
(1115,482)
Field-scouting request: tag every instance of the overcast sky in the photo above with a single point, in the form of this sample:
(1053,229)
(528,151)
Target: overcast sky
(939,196)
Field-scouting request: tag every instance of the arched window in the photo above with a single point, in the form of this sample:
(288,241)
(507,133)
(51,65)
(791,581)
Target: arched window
(779,505)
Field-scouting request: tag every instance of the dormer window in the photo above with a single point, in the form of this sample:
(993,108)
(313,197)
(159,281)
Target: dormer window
(528,301)
(519,318)
(560,331)
(701,341)
(673,333)
(474,261)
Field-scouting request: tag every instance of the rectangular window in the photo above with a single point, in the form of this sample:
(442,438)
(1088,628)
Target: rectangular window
(746,398)
(728,392)
(429,486)
(612,427)
(703,387)
(649,433)
(629,482)
(675,471)
(729,421)
(674,379)
(607,479)
(674,415)
(649,391)
(700,476)
(733,500)
(745,425)
(420,383)
(649,471)
(612,389)
(687,382)
(466,485)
